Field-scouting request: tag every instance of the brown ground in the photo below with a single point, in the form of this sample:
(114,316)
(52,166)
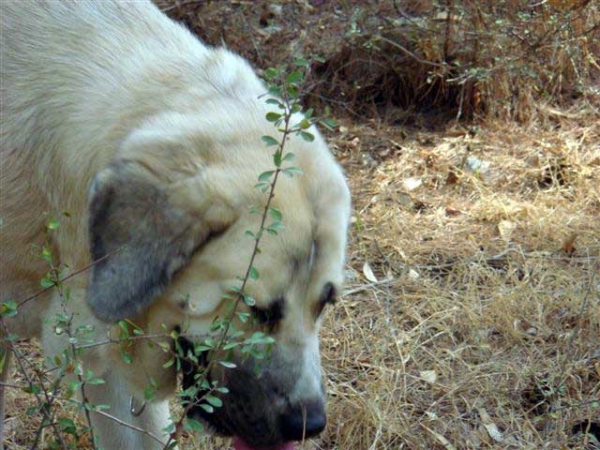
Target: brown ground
(471,317)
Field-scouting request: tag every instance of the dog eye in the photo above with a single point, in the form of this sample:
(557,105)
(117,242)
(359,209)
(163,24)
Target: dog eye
(271,315)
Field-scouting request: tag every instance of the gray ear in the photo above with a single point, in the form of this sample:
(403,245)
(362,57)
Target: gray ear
(138,238)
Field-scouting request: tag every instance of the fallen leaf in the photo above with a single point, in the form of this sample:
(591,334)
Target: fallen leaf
(413,274)
(441,439)
(428,375)
(368,273)
(476,165)
(506,228)
(490,426)
(410,184)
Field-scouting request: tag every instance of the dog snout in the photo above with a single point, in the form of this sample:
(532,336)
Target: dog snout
(303,421)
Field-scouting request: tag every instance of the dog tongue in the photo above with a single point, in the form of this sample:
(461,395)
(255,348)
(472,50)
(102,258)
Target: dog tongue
(239,444)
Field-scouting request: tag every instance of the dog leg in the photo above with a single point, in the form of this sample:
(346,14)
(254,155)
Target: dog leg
(5,361)
(115,434)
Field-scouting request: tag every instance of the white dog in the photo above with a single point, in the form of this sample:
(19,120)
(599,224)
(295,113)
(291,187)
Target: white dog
(152,142)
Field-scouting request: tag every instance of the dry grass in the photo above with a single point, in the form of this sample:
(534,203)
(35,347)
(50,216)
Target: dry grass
(482,329)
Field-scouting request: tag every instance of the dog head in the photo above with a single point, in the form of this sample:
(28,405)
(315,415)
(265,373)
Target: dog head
(169,223)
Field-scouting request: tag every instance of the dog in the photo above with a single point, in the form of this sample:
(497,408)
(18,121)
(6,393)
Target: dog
(151,142)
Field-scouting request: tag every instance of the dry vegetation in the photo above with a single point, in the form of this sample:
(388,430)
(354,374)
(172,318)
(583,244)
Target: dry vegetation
(471,318)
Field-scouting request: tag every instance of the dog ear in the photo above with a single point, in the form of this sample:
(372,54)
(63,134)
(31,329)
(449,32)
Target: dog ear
(141,233)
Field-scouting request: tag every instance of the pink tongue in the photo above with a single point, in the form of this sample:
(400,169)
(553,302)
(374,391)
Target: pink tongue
(239,444)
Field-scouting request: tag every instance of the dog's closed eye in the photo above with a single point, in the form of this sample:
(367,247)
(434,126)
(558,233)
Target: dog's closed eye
(271,315)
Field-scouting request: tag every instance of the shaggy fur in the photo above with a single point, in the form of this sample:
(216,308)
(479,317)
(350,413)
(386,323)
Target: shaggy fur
(151,141)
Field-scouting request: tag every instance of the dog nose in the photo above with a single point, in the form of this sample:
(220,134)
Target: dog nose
(304,421)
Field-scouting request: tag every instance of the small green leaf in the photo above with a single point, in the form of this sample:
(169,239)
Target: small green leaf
(274,101)
(304,124)
(32,389)
(170,429)
(275,228)
(270,141)
(248,299)
(95,381)
(253,273)
(263,187)
(308,137)
(271,73)
(193,426)
(273,116)
(301,62)
(288,157)
(209,409)
(275,213)
(169,363)
(53,224)
(294,77)
(47,254)
(150,393)
(126,357)
(266,176)
(275,90)
(291,171)
(214,401)
(330,124)
(124,327)
(67,425)
(202,348)
(228,364)
(9,308)
(243,316)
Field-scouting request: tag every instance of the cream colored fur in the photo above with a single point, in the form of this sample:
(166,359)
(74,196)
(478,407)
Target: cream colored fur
(91,87)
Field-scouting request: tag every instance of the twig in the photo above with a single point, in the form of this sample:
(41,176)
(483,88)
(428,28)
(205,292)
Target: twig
(10,385)
(71,275)
(128,425)
(121,340)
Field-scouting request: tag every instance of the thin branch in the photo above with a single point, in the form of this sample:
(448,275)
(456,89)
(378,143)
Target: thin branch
(13,386)
(122,340)
(71,275)
(128,425)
